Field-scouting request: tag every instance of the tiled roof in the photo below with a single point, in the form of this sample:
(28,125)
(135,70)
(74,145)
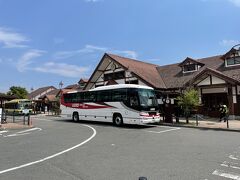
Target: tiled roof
(39,91)
(188,59)
(51,97)
(173,76)
(72,86)
(146,71)
(83,80)
(54,93)
(7,97)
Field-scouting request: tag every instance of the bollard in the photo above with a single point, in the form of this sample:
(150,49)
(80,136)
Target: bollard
(196,119)
(29,121)
(227,123)
(13,116)
(24,119)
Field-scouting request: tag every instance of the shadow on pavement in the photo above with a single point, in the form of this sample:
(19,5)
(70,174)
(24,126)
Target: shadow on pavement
(125,126)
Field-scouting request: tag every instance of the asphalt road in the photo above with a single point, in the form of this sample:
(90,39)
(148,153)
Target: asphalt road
(64,150)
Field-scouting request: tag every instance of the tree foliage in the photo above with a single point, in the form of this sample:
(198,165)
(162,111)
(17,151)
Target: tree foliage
(188,101)
(18,91)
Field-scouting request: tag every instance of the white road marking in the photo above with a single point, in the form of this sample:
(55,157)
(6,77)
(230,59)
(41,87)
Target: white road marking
(52,156)
(25,132)
(13,135)
(3,132)
(230,164)
(226,174)
(28,130)
(234,157)
(158,132)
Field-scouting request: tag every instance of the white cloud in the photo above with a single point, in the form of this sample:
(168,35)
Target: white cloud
(63,69)
(91,49)
(154,60)
(235,2)
(127,53)
(11,39)
(95,48)
(93,0)
(229,43)
(85,50)
(26,59)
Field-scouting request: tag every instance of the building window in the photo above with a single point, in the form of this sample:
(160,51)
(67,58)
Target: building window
(114,76)
(233,61)
(189,68)
(132,82)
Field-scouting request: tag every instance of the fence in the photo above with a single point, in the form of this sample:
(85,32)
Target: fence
(15,118)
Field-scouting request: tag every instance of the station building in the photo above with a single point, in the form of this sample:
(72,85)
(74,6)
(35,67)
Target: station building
(216,78)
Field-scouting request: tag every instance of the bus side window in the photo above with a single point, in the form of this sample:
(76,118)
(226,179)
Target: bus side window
(119,95)
(104,96)
(80,97)
(67,98)
(90,96)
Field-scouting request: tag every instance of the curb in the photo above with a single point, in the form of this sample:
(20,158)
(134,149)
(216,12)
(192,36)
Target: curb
(199,127)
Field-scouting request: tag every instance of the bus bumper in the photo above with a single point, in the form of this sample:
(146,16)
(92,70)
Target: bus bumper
(147,120)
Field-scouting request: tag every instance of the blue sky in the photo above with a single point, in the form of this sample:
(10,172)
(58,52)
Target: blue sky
(48,41)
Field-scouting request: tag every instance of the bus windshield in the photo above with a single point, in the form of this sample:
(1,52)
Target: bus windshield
(147,98)
(25,105)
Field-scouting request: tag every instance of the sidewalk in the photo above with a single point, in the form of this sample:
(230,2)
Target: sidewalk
(209,123)
(14,126)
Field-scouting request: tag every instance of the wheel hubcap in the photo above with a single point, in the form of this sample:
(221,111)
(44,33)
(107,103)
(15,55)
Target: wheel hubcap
(75,117)
(118,120)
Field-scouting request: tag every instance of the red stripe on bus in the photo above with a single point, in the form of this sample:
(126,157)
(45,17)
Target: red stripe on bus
(85,106)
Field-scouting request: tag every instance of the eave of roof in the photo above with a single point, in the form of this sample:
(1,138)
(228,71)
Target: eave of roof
(210,71)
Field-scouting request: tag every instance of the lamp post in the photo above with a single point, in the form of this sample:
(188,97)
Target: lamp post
(60,85)
(60,96)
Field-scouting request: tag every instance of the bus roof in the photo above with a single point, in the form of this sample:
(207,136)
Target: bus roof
(118,86)
(18,100)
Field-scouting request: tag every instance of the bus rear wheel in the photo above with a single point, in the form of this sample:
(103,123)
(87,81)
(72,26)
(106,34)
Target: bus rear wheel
(118,120)
(75,117)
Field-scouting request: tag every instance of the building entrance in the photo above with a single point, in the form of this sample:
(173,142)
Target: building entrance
(211,103)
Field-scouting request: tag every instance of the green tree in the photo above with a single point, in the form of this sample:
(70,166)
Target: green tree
(20,92)
(188,101)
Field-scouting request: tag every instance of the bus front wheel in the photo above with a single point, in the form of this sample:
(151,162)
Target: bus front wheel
(117,120)
(75,117)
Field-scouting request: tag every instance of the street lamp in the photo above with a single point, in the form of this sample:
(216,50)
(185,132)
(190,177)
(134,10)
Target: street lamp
(60,85)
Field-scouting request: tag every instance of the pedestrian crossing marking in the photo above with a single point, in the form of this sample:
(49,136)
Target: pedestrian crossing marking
(225,174)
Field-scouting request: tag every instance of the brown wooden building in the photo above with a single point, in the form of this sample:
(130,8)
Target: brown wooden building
(217,78)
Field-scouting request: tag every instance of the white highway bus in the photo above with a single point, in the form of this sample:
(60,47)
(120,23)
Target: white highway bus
(120,104)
